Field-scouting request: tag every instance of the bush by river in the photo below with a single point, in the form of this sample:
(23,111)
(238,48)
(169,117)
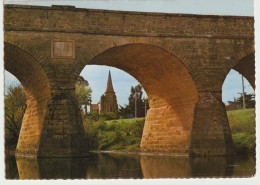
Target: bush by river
(120,134)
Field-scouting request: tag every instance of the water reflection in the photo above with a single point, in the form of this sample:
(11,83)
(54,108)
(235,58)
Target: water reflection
(212,167)
(11,171)
(165,167)
(74,168)
(52,168)
(28,168)
(114,166)
(107,166)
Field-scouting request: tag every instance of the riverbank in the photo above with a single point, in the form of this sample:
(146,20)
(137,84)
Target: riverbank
(124,135)
(242,126)
(137,153)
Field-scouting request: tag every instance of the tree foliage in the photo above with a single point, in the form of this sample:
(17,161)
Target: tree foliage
(83,93)
(15,106)
(238,102)
(249,100)
(129,110)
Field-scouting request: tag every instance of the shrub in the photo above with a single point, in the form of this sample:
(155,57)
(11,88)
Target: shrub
(242,126)
(114,134)
(102,116)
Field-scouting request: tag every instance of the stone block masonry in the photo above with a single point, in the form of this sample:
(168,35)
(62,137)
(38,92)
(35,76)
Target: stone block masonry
(181,61)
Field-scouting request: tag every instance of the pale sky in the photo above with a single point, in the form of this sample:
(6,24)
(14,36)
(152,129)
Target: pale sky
(97,75)
(212,7)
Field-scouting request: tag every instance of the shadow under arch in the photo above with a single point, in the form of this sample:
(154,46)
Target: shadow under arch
(171,91)
(36,84)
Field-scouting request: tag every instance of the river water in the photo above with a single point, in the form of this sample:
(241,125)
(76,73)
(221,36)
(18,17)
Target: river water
(128,166)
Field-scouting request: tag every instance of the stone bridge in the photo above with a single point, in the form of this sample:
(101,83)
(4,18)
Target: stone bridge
(181,60)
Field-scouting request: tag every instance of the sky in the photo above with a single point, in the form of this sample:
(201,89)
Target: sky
(215,7)
(122,82)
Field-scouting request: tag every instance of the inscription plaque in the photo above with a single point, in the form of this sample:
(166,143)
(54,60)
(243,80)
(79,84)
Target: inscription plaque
(62,49)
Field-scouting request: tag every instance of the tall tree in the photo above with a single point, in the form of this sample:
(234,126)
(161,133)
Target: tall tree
(136,96)
(15,106)
(83,93)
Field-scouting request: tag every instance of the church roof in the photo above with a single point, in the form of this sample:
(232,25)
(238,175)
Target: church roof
(109,84)
(94,106)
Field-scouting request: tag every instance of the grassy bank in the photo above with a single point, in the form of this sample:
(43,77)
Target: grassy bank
(125,134)
(242,125)
(121,134)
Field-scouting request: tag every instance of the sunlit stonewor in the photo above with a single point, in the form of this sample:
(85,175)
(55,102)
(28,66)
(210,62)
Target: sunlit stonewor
(180,60)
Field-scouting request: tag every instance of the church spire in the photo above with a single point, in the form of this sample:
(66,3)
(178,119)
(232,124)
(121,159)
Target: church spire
(109,83)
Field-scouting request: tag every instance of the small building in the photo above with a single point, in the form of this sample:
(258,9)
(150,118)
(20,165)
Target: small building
(95,108)
(233,105)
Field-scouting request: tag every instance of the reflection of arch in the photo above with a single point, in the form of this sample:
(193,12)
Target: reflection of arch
(36,84)
(171,90)
(176,167)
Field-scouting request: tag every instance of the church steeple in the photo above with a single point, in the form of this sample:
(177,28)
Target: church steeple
(109,84)
(108,102)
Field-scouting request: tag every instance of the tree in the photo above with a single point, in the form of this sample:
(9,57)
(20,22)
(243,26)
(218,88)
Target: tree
(129,110)
(238,102)
(249,100)
(83,93)
(15,106)
(125,111)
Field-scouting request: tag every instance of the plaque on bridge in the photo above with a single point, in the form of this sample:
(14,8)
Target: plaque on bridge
(62,49)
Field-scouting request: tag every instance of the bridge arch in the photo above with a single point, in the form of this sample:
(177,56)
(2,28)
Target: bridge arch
(244,63)
(37,56)
(36,84)
(206,56)
(246,67)
(171,91)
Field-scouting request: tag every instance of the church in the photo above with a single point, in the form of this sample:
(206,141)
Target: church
(108,102)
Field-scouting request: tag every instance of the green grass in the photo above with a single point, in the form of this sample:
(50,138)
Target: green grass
(126,121)
(242,121)
(242,125)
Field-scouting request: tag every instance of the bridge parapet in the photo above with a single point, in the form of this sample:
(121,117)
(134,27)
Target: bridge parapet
(67,19)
